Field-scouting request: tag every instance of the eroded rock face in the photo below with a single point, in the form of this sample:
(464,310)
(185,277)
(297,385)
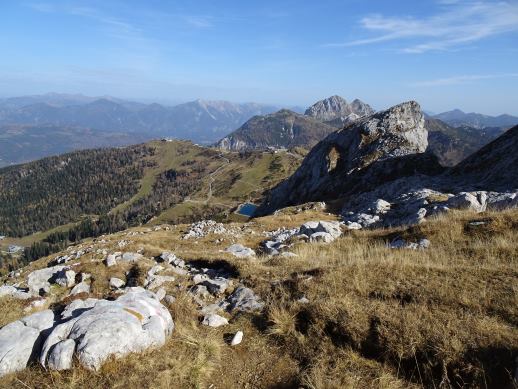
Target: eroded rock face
(101,329)
(372,150)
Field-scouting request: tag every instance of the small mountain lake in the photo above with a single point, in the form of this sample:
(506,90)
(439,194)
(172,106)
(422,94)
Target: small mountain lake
(247,209)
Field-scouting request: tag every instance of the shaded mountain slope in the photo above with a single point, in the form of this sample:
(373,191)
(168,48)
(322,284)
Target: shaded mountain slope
(494,167)
(283,129)
(452,144)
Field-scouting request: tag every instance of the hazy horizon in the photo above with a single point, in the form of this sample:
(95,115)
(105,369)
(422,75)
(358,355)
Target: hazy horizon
(170,103)
(445,54)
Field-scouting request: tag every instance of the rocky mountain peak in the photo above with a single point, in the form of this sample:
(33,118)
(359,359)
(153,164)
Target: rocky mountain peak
(329,109)
(336,108)
(394,132)
(380,147)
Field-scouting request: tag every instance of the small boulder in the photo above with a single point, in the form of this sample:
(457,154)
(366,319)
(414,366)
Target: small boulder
(82,287)
(238,338)
(172,259)
(110,260)
(245,300)
(169,300)
(160,294)
(103,329)
(217,285)
(116,283)
(475,201)
(131,257)
(323,237)
(14,292)
(240,251)
(60,358)
(214,320)
(39,280)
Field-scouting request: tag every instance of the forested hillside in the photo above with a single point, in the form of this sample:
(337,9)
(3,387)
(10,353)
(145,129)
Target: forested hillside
(57,190)
(88,193)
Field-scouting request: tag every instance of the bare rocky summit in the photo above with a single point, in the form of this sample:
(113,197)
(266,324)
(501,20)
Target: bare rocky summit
(336,107)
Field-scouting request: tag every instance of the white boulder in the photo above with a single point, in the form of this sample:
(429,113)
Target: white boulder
(20,340)
(238,338)
(214,320)
(132,323)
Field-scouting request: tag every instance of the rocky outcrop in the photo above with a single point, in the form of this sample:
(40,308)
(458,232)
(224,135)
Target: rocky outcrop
(365,154)
(95,330)
(337,110)
(313,231)
(283,129)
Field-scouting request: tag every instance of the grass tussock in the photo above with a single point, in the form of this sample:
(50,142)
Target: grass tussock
(375,317)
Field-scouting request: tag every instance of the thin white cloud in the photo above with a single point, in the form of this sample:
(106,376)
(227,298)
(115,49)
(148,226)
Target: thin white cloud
(463,79)
(42,7)
(117,27)
(457,23)
(198,21)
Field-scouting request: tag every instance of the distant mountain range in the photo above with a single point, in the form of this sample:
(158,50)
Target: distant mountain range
(33,127)
(20,144)
(457,118)
(200,121)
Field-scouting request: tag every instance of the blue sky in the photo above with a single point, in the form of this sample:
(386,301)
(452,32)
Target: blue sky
(443,53)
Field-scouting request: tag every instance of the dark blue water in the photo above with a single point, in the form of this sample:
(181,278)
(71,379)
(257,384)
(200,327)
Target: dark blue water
(247,209)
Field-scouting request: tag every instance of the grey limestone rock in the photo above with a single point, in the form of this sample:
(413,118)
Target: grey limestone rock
(20,341)
(244,299)
(240,251)
(102,329)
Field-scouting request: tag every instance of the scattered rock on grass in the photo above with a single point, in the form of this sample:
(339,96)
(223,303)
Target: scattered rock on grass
(240,251)
(214,320)
(238,338)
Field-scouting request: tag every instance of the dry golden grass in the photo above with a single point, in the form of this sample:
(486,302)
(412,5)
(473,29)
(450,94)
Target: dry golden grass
(376,318)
